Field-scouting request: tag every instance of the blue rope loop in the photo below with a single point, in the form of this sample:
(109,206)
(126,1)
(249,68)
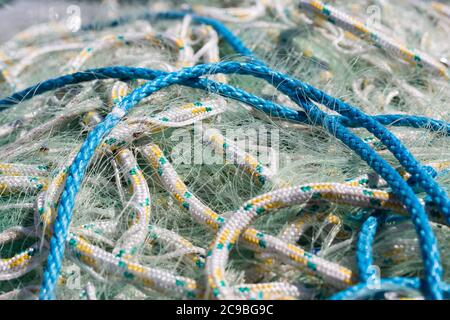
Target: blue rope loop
(301,93)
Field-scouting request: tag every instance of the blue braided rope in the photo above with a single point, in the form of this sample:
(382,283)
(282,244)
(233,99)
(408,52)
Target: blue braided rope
(364,289)
(429,248)
(364,253)
(431,260)
(300,91)
(433,272)
(132,73)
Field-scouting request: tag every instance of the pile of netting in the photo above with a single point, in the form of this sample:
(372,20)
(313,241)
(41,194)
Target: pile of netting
(228,150)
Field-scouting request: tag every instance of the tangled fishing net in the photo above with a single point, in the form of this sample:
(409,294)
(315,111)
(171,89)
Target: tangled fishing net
(227,149)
